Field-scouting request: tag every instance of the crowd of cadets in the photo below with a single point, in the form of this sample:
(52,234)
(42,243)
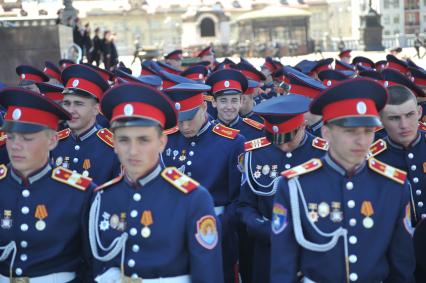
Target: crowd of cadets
(218,172)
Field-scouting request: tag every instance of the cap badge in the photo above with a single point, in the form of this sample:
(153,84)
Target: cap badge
(200,76)
(23,76)
(45,69)
(328,83)
(16,115)
(275,129)
(128,110)
(226,84)
(177,106)
(75,83)
(361,108)
(386,83)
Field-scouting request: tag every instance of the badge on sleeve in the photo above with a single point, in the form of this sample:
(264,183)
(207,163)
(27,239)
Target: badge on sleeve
(279,218)
(407,220)
(207,235)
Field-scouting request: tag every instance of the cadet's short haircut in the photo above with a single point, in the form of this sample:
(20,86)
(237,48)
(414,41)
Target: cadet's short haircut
(399,94)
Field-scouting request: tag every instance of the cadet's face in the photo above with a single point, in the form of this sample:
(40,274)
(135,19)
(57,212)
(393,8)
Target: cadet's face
(83,111)
(227,107)
(348,146)
(190,128)
(138,149)
(29,152)
(246,104)
(401,121)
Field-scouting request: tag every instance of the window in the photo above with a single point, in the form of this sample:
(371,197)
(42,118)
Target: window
(207,27)
(386,20)
(396,20)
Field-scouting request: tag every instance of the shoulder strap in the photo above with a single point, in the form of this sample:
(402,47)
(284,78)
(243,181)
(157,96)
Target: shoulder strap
(71,178)
(388,171)
(224,131)
(179,180)
(64,133)
(304,168)
(256,143)
(3,171)
(377,147)
(106,136)
(109,183)
(253,123)
(171,131)
(320,143)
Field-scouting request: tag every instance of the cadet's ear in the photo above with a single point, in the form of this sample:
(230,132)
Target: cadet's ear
(214,103)
(325,132)
(53,139)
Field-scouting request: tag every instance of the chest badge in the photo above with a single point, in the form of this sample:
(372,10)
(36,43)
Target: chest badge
(336,215)
(86,167)
(323,209)
(40,214)
(313,214)
(367,210)
(104,225)
(182,156)
(59,161)
(6,221)
(146,221)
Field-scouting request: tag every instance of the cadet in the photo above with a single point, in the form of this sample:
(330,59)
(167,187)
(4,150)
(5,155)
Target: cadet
(154,223)
(286,144)
(85,147)
(29,75)
(343,218)
(228,85)
(198,143)
(174,58)
(41,207)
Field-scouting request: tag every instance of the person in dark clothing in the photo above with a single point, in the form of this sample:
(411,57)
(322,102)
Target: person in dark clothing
(87,42)
(114,53)
(107,49)
(76,33)
(96,51)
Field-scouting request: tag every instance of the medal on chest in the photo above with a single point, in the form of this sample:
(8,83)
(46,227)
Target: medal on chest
(40,214)
(313,215)
(6,221)
(104,225)
(146,221)
(86,167)
(368,211)
(336,215)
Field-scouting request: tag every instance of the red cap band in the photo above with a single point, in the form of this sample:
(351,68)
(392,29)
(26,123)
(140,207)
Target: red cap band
(250,90)
(85,85)
(302,90)
(228,84)
(54,95)
(397,66)
(349,108)
(31,77)
(52,73)
(268,66)
(286,126)
(195,76)
(138,110)
(191,103)
(167,84)
(251,75)
(419,81)
(31,115)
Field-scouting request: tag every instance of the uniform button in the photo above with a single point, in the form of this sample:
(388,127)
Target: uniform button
(349,185)
(191,153)
(413,167)
(288,154)
(133,231)
(192,143)
(418,192)
(131,263)
(24,244)
(135,248)
(23,257)
(287,166)
(134,276)
(18,271)
(352,222)
(420,204)
(25,193)
(351,204)
(133,213)
(415,180)
(25,210)
(353,277)
(410,155)
(24,227)
(75,160)
(352,258)
(189,163)
(137,197)
(353,240)
(77,147)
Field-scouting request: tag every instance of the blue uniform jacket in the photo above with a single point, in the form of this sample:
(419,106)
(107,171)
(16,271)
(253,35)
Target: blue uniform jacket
(372,204)
(248,128)
(91,154)
(179,215)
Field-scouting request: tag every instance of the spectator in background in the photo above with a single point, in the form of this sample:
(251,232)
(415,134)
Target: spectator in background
(107,49)
(114,53)
(96,51)
(87,42)
(77,33)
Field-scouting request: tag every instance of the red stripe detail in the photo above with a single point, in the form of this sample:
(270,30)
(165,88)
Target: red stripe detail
(195,76)
(397,66)
(218,86)
(302,90)
(268,66)
(191,102)
(52,73)
(85,85)
(419,81)
(54,95)
(348,108)
(33,116)
(286,126)
(140,110)
(250,90)
(145,72)
(251,75)
(31,77)
(167,84)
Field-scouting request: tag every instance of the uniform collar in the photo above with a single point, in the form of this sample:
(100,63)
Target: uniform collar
(398,146)
(232,123)
(87,134)
(316,126)
(339,169)
(31,179)
(204,128)
(248,115)
(142,181)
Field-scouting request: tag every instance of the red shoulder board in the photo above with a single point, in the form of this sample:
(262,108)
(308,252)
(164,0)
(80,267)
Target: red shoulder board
(304,168)
(2,138)
(109,183)
(64,133)
(3,171)
(179,180)
(377,147)
(257,143)
(208,98)
(71,178)
(392,173)
(171,131)
(226,132)
(106,136)
(422,126)
(378,129)
(320,143)
(253,123)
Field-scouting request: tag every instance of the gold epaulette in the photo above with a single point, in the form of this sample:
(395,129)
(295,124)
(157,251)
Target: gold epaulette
(179,180)
(106,136)
(392,173)
(71,178)
(64,133)
(171,131)
(225,131)
(304,168)
(377,147)
(320,143)
(208,98)
(2,138)
(422,126)
(3,171)
(257,143)
(253,123)
(378,129)
(109,183)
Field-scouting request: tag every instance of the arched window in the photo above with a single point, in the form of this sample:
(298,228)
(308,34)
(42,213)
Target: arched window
(207,28)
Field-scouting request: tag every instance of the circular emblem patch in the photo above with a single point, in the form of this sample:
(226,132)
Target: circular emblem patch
(177,106)
(226,83)
(16,115)
(361,108)
(23,76)
(200,76)
(207,235)
(75,83)
(128,110)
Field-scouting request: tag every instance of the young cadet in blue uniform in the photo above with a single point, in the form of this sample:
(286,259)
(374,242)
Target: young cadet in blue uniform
(343,218)
(418,76)
(174,58)
(154,223)
(29,75)
(227,87)
(85,147)
(198,143)
(41,207)
(286,145)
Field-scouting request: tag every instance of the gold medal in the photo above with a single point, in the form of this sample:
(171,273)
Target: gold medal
(40,225)
(146,220)
(368,222)
(40,214)
(313,214)
(145,232)
(367,210)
